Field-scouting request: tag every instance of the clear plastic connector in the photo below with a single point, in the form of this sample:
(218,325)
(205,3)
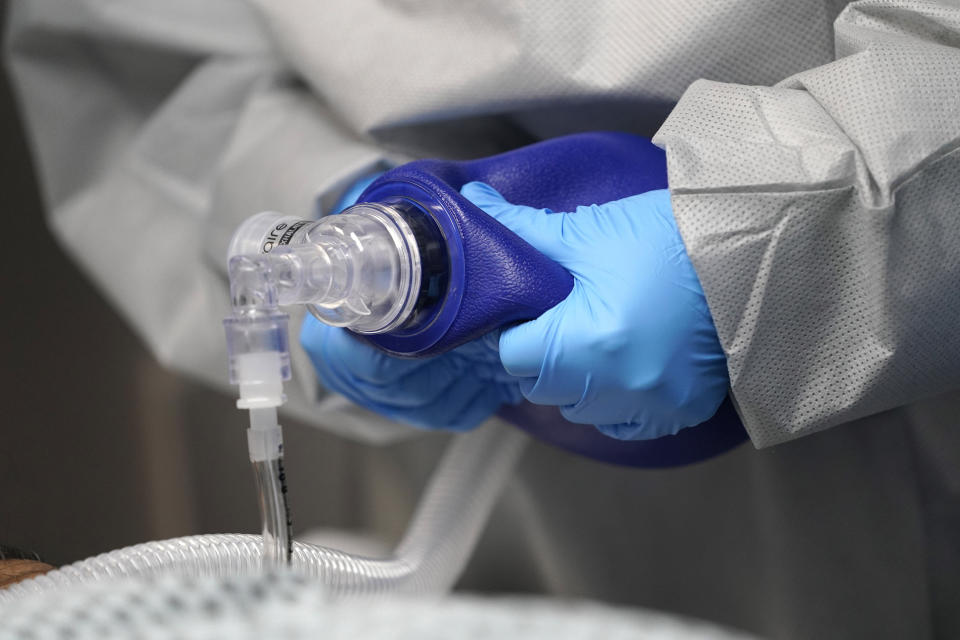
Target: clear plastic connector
(359,269)
(259,357)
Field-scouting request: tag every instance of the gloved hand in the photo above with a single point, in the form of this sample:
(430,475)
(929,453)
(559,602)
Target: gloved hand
(456,390)
(632,349)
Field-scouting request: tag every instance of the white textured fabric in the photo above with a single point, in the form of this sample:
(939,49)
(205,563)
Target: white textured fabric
(287,607)
(158,127)
(823,217)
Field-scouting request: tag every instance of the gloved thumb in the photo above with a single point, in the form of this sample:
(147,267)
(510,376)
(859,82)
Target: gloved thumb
(542,228)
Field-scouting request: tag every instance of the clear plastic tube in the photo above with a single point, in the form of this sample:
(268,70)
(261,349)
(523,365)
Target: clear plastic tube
(274,513)
(444,530)
(265,443)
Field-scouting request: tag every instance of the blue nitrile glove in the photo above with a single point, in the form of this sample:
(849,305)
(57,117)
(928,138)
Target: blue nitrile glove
(456,390)
(633,348)
(349,197)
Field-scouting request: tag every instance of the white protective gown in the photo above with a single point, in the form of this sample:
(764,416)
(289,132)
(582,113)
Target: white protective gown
(814,161)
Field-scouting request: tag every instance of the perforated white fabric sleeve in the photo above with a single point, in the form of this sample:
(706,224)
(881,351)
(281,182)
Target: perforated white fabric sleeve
(823,218)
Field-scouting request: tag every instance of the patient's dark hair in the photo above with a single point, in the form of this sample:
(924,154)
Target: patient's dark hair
(12,553)
(17,565)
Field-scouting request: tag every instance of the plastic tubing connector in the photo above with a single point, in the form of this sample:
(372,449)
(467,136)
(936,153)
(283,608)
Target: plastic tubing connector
(360,270)
(259,362)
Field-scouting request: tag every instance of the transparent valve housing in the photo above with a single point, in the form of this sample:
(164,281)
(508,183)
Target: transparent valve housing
(359,269)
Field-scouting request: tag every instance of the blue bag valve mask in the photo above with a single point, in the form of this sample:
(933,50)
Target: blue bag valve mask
(416,269)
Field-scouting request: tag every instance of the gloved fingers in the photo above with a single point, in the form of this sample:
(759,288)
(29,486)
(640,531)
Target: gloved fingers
(626,431)
(426,407)
(433,383)
(482,358)
(641,429)
(463,406)
(598,409)
(492,372)
(424,386)
(421,386)
(314,337)
(524,348)
(561,390)
(335,356)
(482,349)
(480,407)
(641,419)
(435,393)
(328,345)
(539,227)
